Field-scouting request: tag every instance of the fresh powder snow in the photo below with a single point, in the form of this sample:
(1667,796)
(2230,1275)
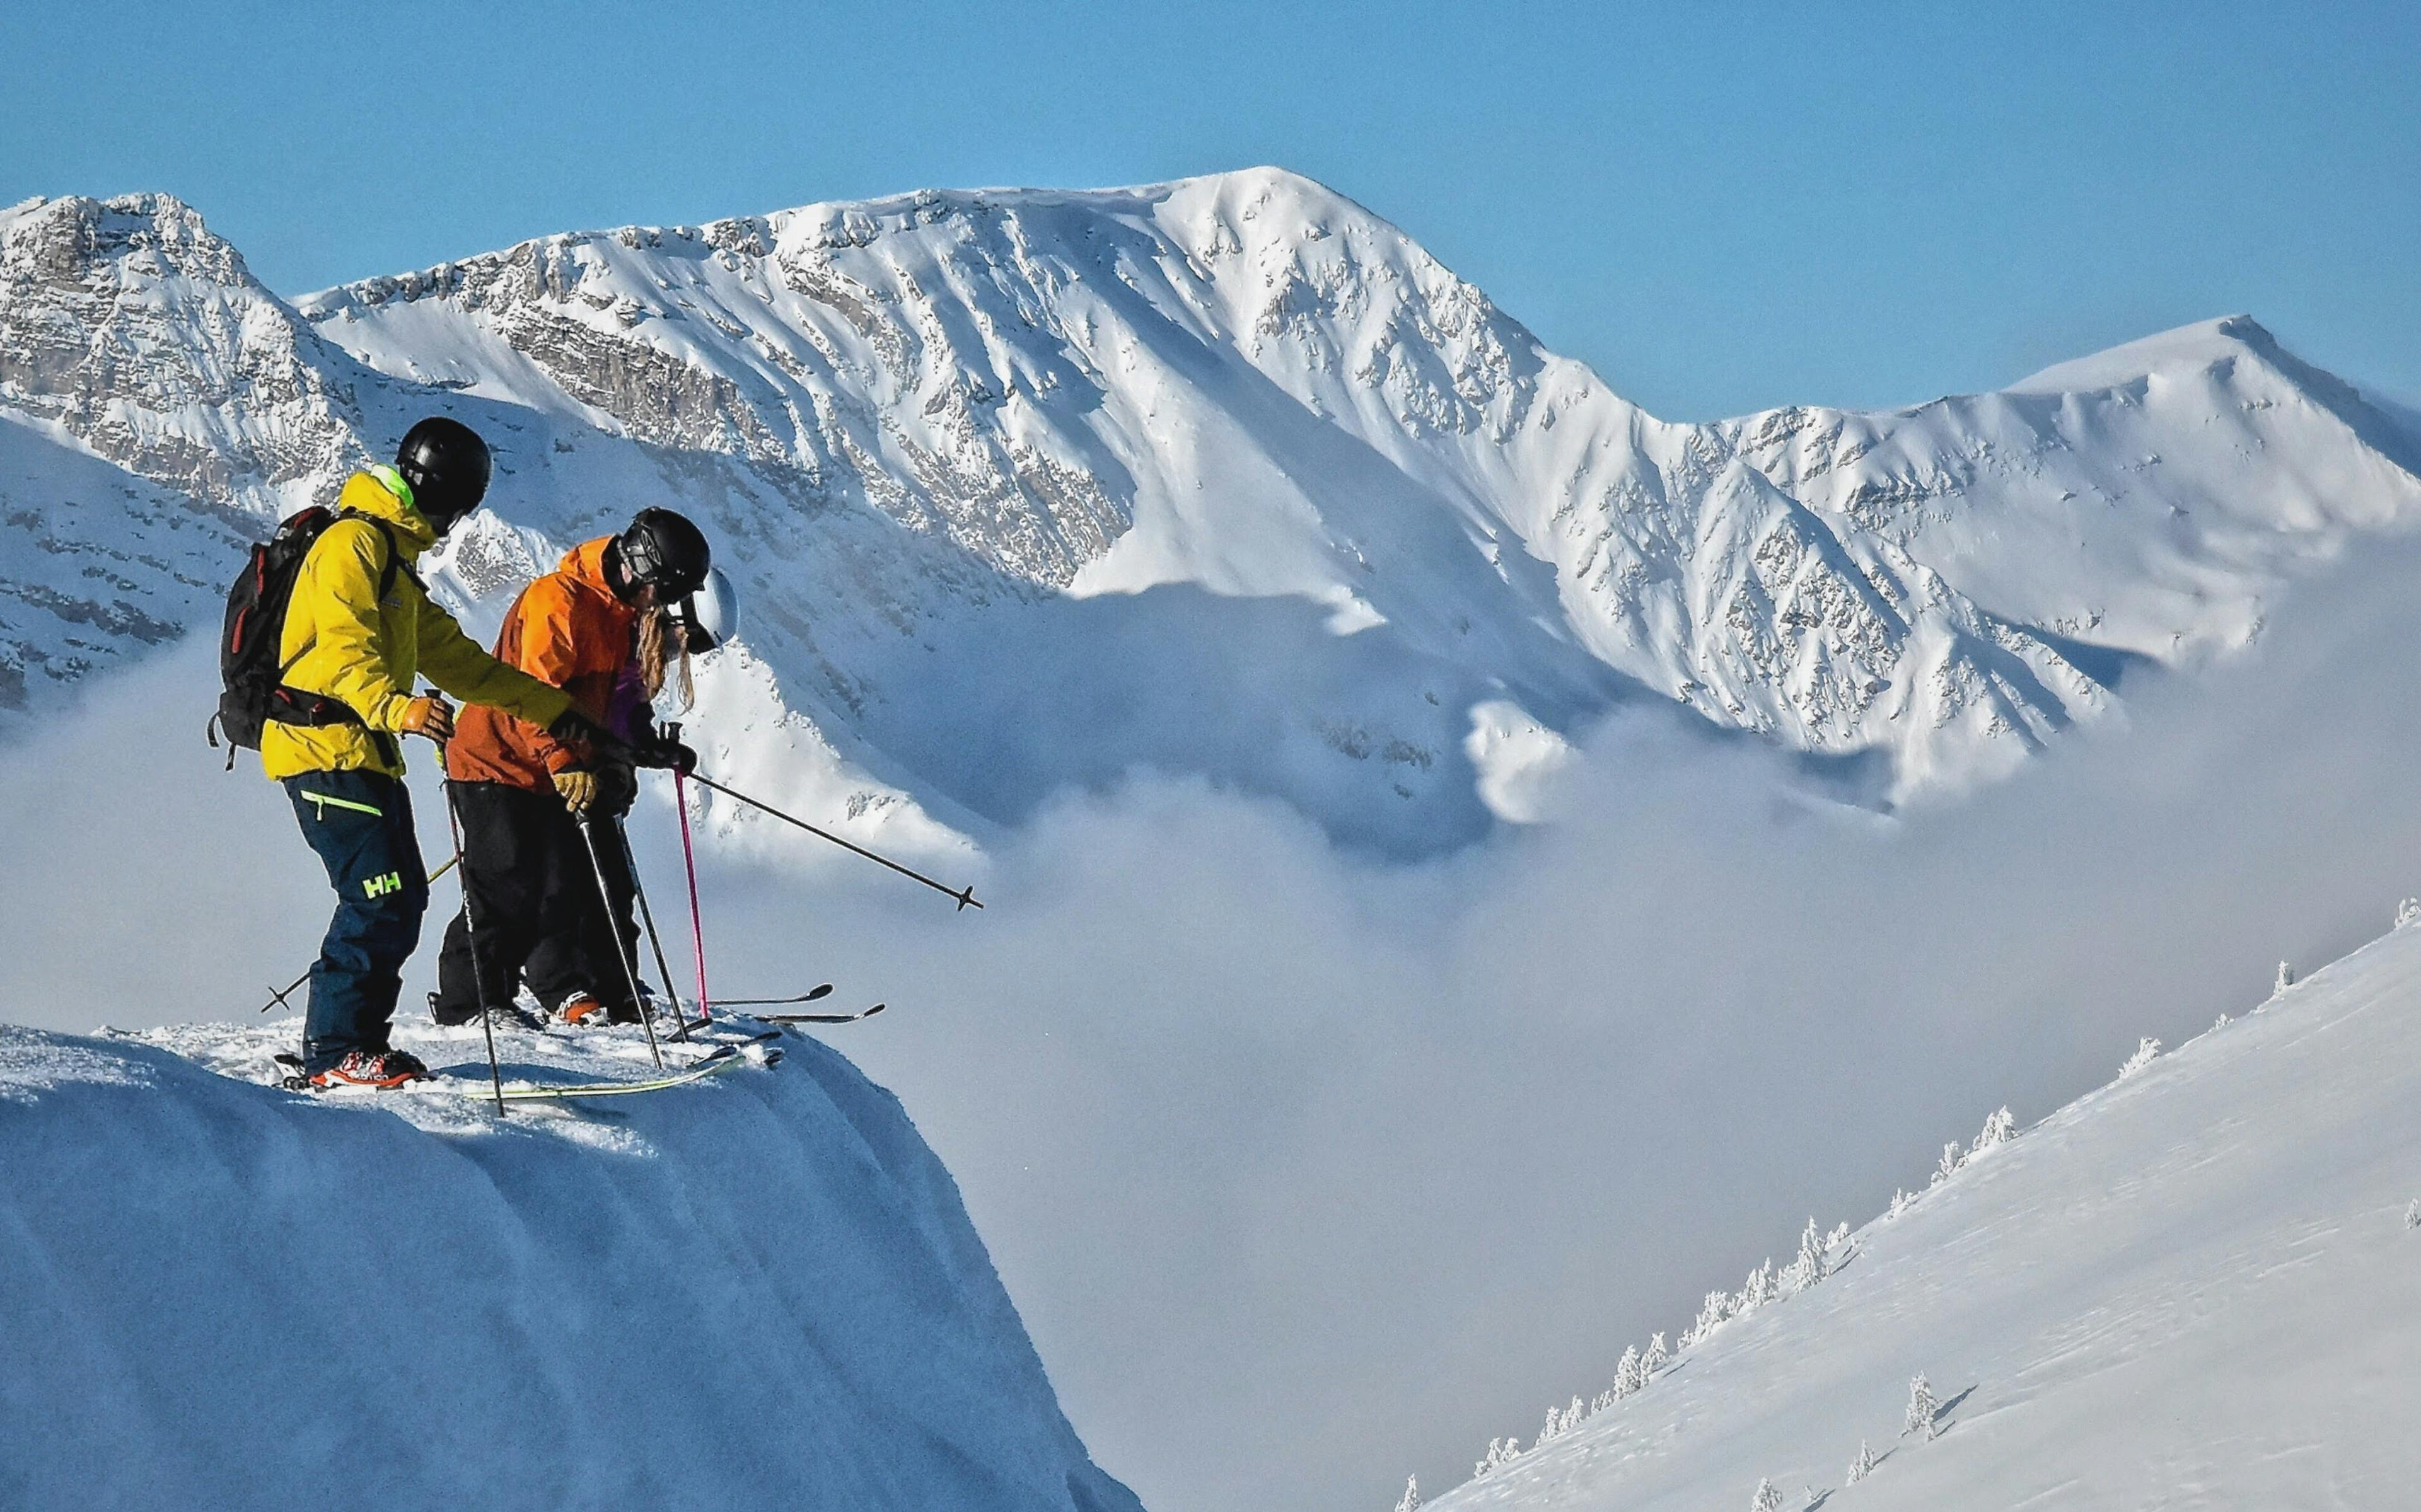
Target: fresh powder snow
(757,1289)
(2187,1289)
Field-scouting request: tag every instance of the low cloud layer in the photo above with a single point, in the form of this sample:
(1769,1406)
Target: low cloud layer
(1308,1172)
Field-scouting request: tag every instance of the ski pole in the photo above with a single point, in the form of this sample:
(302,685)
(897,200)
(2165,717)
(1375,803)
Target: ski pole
(655,941)
(471,934)
(689,861)
(613,927)
(277,999)
(966,897)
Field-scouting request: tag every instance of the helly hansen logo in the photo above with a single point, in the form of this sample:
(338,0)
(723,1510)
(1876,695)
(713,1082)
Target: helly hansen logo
(381,886)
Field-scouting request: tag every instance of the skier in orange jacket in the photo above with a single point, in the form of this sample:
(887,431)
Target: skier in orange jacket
(601,621)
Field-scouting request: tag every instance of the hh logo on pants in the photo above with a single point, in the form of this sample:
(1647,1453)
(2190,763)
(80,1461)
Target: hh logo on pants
(381,886)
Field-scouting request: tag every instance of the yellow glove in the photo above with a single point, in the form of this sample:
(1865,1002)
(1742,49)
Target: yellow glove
(431,716)
(578,789)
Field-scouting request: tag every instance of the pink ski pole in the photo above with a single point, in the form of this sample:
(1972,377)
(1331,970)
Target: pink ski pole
(697,933)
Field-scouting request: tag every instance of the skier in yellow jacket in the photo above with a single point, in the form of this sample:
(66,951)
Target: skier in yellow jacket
(360,629)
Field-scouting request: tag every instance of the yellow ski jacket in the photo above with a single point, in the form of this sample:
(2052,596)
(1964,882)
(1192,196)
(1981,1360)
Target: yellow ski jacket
(341,639)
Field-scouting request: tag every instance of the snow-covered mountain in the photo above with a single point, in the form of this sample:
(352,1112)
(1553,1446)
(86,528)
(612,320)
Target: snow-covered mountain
(2190,1288)
(755,1291)
(1225,477)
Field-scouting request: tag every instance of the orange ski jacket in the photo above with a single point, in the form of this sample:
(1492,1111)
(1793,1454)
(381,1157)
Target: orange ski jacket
(567,629)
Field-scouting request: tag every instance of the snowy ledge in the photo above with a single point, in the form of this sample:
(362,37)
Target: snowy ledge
(757,1291)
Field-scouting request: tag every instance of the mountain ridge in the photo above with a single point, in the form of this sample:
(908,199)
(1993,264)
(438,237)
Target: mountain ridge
(1002,467)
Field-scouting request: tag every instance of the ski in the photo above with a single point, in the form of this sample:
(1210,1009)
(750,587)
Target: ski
(813,994)
(822,1017)
(722,1059)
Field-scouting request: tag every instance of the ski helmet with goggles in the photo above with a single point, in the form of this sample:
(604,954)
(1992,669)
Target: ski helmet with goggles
(711,615)
(447,467)
(664,552)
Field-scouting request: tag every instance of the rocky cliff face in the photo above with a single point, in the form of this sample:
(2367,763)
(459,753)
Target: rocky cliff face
(1225,476)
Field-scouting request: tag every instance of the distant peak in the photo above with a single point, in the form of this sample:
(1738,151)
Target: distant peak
(2197,345)
(78,228)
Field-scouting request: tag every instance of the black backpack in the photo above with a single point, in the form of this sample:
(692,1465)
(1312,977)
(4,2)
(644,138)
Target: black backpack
(252,695)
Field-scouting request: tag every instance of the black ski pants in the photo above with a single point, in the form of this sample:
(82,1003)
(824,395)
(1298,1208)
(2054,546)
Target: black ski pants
(591,952)
(359,824)
(532,905)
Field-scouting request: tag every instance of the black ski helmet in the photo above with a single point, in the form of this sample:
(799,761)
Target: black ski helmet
(662,550)
(447,467)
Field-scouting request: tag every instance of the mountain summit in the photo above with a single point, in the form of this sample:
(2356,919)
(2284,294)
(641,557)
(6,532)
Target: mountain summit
(1225,477)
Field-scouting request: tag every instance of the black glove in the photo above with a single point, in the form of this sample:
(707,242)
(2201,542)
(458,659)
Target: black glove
(666,754)
(572,728)
(618,788)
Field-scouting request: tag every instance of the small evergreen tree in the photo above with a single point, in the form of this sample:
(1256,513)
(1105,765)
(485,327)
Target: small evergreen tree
(1949,1166)
(1501,1453)
(1863,1465)
(1656,1358)
(1921,1407)
(1412,1501)
(1807,1266)
(2146,1053)
(1713,1313)
(2408,912)
(2412,1214)
(2285,980)
(1760,1288)
(1898,1203)
(1998,1129)
(1629,1377)
(1767,1499)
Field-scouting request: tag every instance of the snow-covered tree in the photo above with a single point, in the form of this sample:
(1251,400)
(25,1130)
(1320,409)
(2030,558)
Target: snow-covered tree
(1501,1453)
(2408,912)
(1767,1499)
(1656,1358)
(1602,1400)
(1628,1376)
(1998,1129)
(2146,1053)
(1809,1266)
(1863,1465)
(2412,1215)
(1921,1407)
(1412,1501)
(1761,1286)
(1950,1163)
(1713,1313)
(2222,1021)
(1560,1420)
(1898,1203)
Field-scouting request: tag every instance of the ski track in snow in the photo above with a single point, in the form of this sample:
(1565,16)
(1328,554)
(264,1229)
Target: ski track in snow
(2193,1287)
(759,1289)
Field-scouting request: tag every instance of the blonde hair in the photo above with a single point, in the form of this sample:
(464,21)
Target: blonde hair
(661,652)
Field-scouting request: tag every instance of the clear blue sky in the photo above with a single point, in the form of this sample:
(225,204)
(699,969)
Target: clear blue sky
(1719,206)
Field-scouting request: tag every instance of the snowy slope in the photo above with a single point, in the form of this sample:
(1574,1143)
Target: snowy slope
(759,1290)
(2192,1288)
(1224,478)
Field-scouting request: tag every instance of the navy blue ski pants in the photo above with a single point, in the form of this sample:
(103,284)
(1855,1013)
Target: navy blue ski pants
(360,824)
